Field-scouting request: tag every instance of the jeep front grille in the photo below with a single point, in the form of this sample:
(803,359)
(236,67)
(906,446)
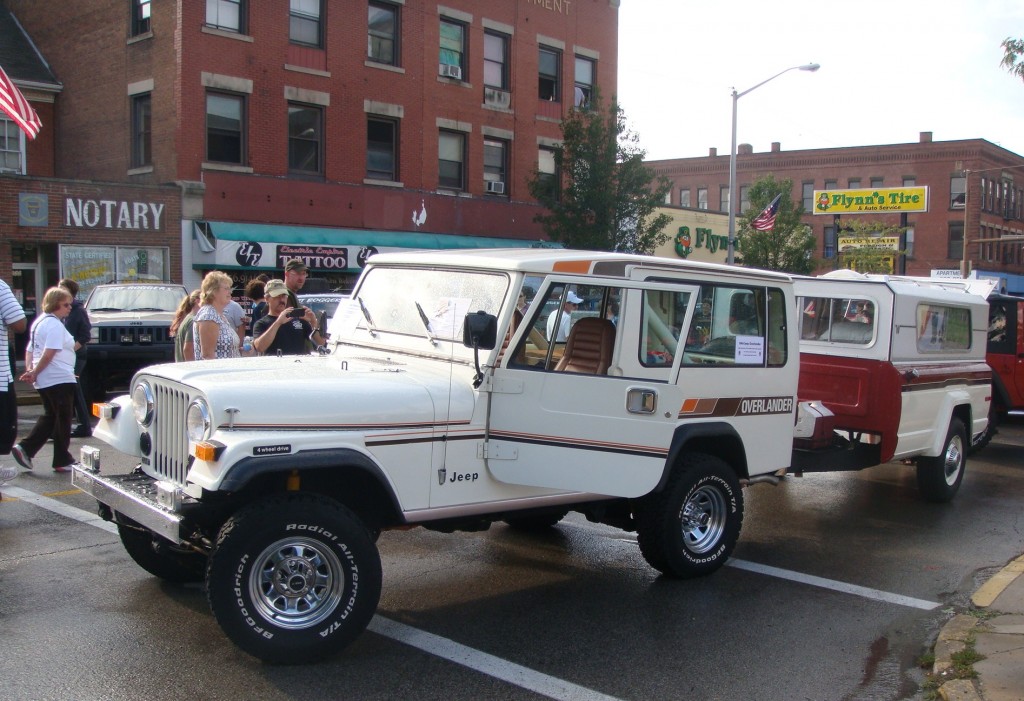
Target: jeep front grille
(133,335)
(169,457)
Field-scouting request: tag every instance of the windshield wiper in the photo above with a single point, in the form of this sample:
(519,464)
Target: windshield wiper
(426,324)
(106,309)
(371,327)
(148,309)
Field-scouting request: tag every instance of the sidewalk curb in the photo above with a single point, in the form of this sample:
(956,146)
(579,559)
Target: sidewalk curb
(958,630)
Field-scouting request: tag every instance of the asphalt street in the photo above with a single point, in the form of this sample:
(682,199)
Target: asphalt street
(839,583)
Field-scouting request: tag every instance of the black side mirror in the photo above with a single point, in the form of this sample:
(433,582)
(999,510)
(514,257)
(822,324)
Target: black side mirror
(480,331)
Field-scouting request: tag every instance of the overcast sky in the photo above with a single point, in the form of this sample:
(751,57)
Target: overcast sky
(890,69)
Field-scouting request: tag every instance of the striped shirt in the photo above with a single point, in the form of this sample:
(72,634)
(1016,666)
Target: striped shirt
(10,313)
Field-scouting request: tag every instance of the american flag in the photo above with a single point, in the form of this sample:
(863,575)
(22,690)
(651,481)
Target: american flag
(765,221)
(17,107)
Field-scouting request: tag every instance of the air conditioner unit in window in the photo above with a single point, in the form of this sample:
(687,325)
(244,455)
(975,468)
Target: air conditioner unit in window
(449,71)
(497,98)
(495,187)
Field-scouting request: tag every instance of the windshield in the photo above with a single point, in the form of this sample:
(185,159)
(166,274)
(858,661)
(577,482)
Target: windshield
(415,302)
(151,298)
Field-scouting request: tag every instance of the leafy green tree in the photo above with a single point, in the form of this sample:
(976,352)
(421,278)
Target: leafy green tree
(606,197)
(1013,56)
(866,259)
(789,246)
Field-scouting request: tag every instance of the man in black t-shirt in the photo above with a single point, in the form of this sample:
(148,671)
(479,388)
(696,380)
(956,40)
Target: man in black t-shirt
(277,331)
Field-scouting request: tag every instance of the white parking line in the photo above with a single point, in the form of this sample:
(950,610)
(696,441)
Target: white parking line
(866,592)
(59,507)
(492,666)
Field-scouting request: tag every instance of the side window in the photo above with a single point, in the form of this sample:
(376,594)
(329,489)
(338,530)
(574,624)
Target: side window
(942,328)
(1000,333)
(552,318)
(837,320)
(737,326)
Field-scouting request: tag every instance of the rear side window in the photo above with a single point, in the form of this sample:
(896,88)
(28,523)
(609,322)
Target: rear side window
(737,326)
(941,328)
(1002,316)
(837,320)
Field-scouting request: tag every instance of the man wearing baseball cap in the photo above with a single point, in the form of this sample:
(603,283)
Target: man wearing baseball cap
(572,301)
(278,330)
(295,272)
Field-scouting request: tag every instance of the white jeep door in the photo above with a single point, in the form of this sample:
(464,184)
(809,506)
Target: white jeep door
(605,433)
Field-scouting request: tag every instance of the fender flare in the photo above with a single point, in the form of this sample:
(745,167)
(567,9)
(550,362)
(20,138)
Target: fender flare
(249,468)
(729,446)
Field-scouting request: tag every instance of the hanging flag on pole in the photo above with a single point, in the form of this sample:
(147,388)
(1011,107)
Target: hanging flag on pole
(765,221)
(17,107)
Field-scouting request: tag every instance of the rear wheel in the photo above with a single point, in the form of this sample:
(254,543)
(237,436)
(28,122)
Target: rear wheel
(939,477)
(293,579)
(990,431)
(691,527)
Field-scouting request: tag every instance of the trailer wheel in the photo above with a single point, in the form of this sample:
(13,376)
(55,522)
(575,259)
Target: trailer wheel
(691,527)
(293,579)
(158,556)
(939,477)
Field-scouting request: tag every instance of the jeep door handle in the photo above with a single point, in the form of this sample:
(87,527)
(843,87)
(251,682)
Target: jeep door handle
(640,400)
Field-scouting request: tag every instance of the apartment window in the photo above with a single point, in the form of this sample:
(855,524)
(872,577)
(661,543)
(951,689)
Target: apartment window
(909,181)
(382,149)
(451,157)
(305,22)
(807,196)
(828,246)
(140,16)
(496,60)
(957,191)
(723,199)
(955,246)
(584,90)
(547,170)
(876,182)
(684,197)
(228,15)
(744,198)
(702,198)
(305,139)
(382,33)
(549,87)
(11,160)
(496,166)
(453,49)
(225,133)
(142,130)
(831,185)
(853,183)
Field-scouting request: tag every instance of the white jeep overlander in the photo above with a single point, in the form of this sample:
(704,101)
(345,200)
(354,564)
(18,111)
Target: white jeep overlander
(445,403)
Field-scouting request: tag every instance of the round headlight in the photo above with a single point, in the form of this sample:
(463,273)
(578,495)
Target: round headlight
(142,403)
(197,421)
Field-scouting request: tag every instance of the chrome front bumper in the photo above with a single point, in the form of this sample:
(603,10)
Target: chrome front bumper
(134,495)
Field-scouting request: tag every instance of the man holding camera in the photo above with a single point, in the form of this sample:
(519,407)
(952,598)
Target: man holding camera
(284,329)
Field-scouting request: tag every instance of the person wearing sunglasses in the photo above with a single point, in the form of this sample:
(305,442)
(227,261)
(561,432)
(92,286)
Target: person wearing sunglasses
(50,367)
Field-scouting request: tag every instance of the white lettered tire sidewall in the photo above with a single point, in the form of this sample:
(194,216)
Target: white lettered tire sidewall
(293,579)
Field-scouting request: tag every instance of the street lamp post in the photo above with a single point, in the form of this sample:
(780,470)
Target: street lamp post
(732,154)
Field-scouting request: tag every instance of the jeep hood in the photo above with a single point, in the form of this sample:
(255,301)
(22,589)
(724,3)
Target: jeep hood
(123,318)
(324,392)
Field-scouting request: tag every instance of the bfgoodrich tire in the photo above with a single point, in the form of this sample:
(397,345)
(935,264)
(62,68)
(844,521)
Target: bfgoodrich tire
(691,527)
(939,478)
(159,557)
(293,579)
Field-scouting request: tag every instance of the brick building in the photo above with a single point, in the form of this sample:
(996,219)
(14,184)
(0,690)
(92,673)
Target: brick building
(972,181)
(327,129)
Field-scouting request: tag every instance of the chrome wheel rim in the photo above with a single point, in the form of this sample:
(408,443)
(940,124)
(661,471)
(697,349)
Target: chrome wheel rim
(296,583)
(703,519)
(953,460)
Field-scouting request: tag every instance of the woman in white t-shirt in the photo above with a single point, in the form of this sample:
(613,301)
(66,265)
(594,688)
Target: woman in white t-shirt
(50,367)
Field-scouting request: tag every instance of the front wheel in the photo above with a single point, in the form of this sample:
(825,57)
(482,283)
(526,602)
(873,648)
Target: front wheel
(691,527)
(293,579)
(939,478)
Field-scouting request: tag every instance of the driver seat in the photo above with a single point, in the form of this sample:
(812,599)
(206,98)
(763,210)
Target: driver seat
(589,347)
